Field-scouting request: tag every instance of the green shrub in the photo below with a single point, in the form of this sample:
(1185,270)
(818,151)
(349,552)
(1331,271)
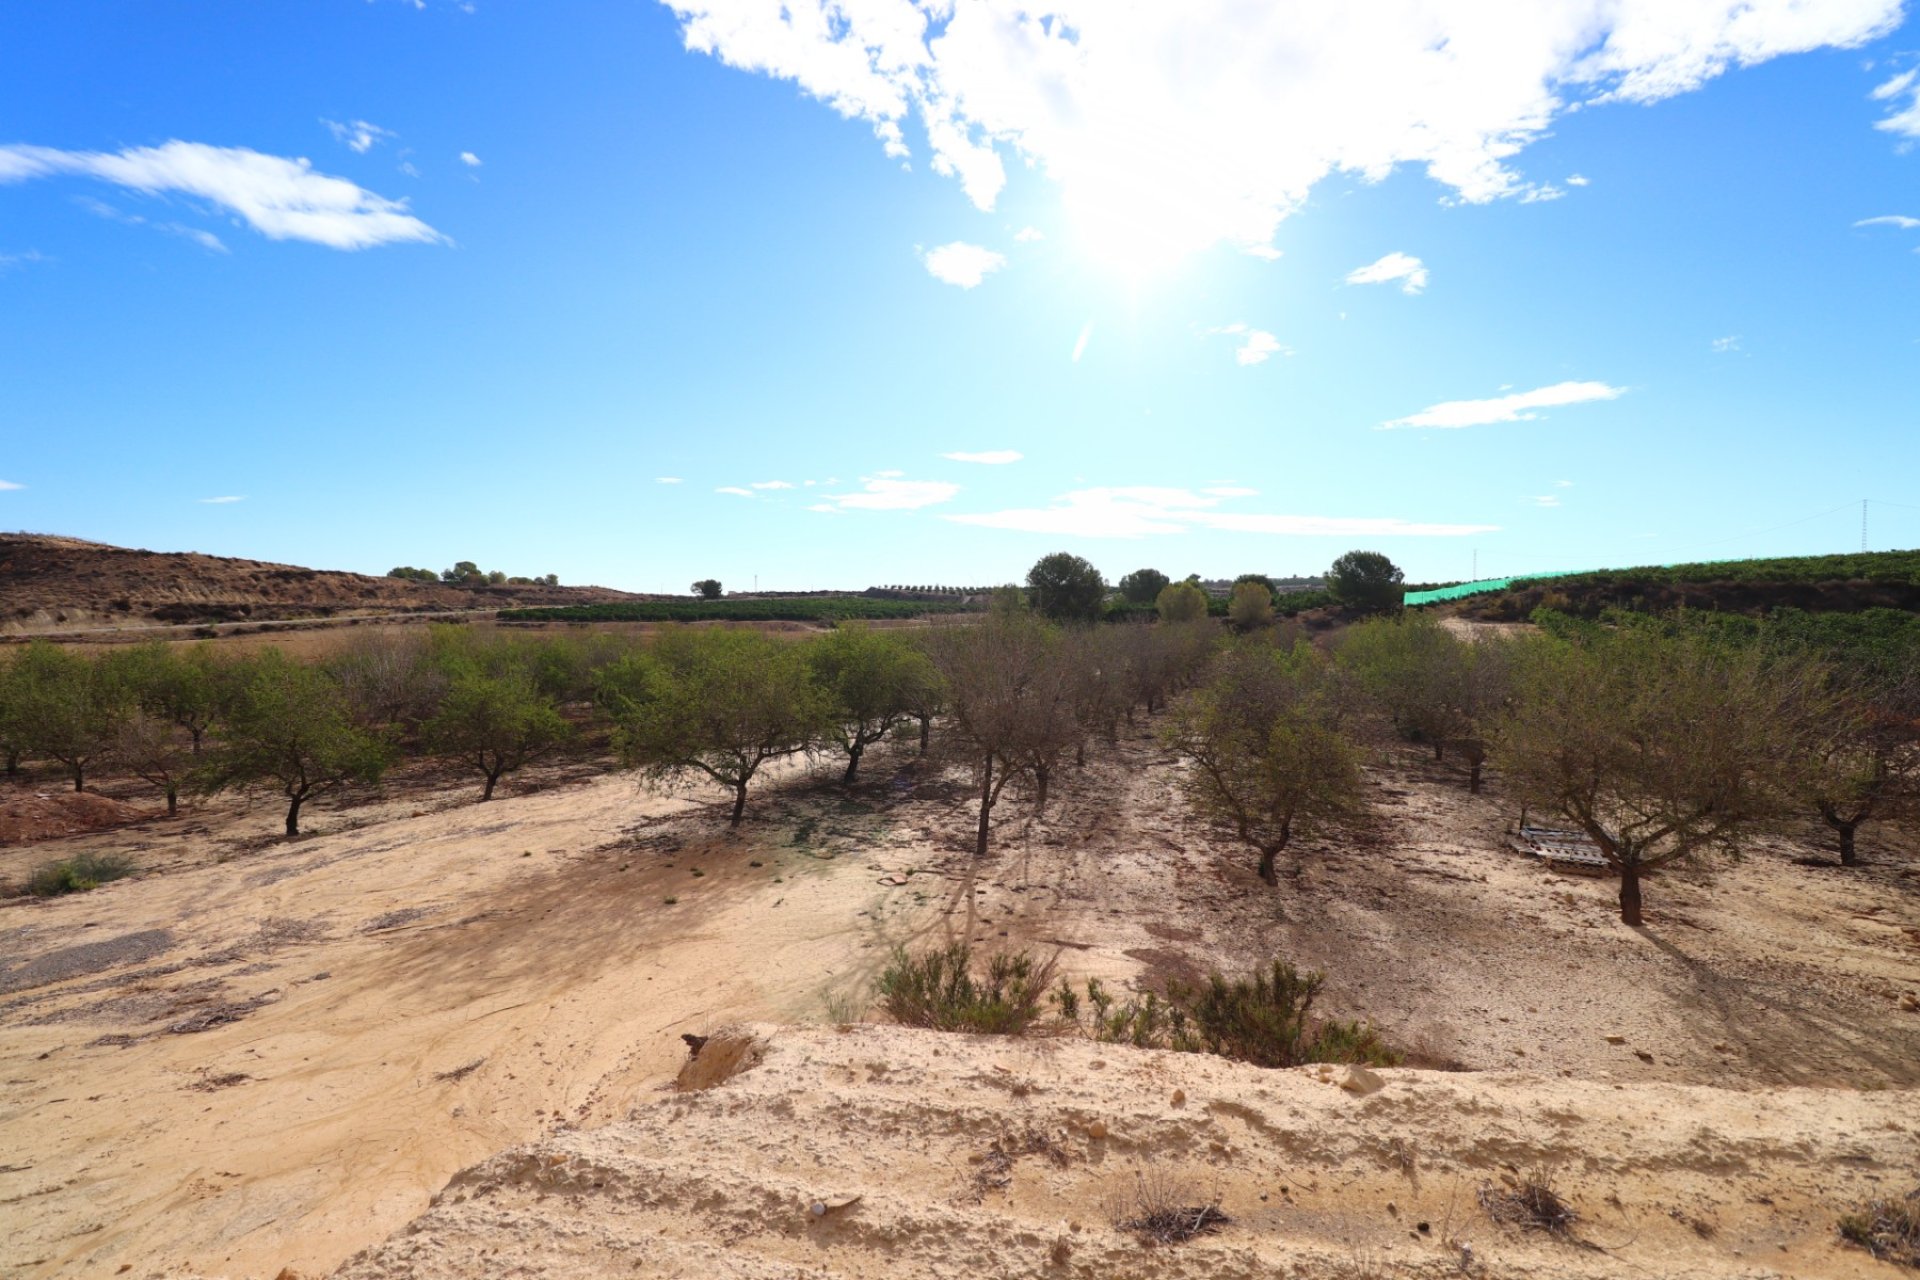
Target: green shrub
(77,874)
(938,989)
(1263,1019)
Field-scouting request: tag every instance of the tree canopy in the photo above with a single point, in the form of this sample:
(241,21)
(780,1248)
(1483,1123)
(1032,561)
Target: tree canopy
(1066,588)
(1366,580)
(1143,586)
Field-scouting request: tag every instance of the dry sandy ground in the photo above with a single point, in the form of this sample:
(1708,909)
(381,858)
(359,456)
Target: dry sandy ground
(271,1054)
(954,1157)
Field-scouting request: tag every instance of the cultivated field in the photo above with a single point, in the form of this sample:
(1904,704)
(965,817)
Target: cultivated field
(265,1054)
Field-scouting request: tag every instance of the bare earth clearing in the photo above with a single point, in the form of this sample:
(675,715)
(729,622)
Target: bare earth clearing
(266,1054)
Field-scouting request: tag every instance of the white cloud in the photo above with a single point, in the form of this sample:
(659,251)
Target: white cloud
(6,485)
(1545,500)
(991,457)
(1576,180)
(1563,484)
(221,502)
(1230,491)
(1408,270)
(469,159)
(882,475)
(280,198)
(358,136)
(826,507)
(1027,235)
(1139,511)
(1257,346)
(962,264)
(1899,221)
(1172,127)
(736,490)
(1726,345)
(1904,121)
(668,480)
(885,491)
(772,484)
(1518,407)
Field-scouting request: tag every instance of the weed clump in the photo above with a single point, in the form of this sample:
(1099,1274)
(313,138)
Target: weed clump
(1264,1018)
(1530,1201)
(77,874)
(939,990)
(1162,1208)
(1888,1229)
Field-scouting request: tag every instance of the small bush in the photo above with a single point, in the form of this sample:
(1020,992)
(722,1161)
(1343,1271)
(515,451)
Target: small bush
(1263,1019)
(1888,1229)
(77,874)
(1531,1201)
(1161,1208)
(937,989)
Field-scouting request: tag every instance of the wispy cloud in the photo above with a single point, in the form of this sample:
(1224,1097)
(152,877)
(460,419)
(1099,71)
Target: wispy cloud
(990,457)
(1257,346)
(1080,343)
(1142,511)
(6,485)
(1521,406)
(735,490)
(668,480)
(280,198)
(1230,491)
(358,136)
(469,159)
(1407,269)
(1576,180)
(1027,235)
(962,264)
(1904,121)
(223,501)
(1545,500)
(1899,221)
(1172,127)
(772,484)
(1563,484)
(18,259)
(887,491)
(1727,345)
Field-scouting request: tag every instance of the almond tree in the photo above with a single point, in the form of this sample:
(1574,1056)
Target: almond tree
(64,707)
(870,679)
(1000,700)
(1267,747)
(712,702)
(495,725)
(289,728)
(1657,745)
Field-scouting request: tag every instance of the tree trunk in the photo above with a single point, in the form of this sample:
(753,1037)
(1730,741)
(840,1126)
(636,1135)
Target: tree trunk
(173,800)
(1473,774)
(986,808)
(1267,872)
(1847,856)
(739,802)
(196,732)
(1630,895)
(1042,774)
(293,816)
(1439,749)
(493,776)
(926,723)
(853,764)
(79,777)
(1080,755)
(13,762)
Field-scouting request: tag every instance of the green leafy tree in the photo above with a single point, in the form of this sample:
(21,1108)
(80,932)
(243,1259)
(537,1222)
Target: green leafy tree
(1658,746)
(1251,606)
(1143,586)
(495,725)
(1432,686)
(1260,578)
(66,707)
(713,703)
(706,588)
(1066,588)
(408,573)
(290,728)
(465,573)
(1268,748)
(1365,580)
(1181,602)
(13,743)
(151,748)
(870,679)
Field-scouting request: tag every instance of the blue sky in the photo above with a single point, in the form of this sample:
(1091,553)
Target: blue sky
(358,283)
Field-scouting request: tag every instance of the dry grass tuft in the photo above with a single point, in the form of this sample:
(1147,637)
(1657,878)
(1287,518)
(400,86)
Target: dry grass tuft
(1888,1229)
(994,1169)
(1163,1208)
(1529,1200)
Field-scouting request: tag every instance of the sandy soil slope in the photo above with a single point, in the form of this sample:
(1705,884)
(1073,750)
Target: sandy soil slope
(265,1054)
(972,1156)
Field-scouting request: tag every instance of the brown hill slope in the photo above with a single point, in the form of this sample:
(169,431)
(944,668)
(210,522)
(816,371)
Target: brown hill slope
(50,583)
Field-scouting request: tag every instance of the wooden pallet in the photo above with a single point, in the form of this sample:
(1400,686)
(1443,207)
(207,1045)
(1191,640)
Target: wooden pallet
(1562,850)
